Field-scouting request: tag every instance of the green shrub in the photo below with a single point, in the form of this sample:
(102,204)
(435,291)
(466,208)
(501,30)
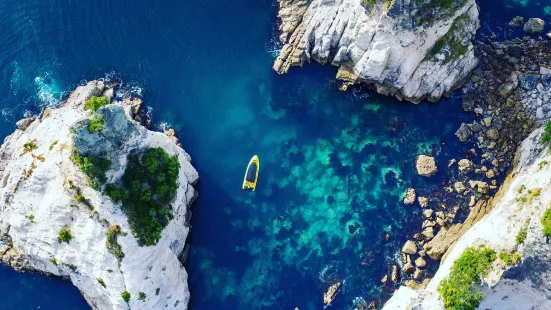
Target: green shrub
(96,123)
(112,244)
(94,103)
(53,144)
(546,222)
(521,236)
(504,256)
(458,291)
(29,147)
(64,235)
(157,291)
(101,282)
(546,136)
(126,296)
(142,295)
(114,192)
(516,258)
(93,166)
(151,179)
(53,261)
(72,267)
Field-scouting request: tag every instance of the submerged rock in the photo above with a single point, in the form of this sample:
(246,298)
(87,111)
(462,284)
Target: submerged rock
(465,166)
(59,222)
(331,293)
(534,26)
(426,166)
(395,45)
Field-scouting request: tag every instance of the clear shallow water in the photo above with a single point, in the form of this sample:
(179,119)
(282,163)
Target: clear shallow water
(333,165)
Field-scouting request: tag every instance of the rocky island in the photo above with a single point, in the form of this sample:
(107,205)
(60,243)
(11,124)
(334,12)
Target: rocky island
(409,49)
(91,195)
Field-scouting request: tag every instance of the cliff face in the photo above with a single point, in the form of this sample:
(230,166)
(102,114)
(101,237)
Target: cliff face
(520,207)
(407,48)
(44,193)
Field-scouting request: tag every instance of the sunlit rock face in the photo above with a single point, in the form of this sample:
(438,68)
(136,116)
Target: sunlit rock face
(43,192)
(409,49)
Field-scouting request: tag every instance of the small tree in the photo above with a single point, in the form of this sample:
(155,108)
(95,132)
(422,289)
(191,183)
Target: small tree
(126,296)
(64,235)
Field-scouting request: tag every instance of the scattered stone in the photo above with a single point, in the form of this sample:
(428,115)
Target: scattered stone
(409,199)
(423,201)
(428,233)
(464,132)
(420,262)
(418,274)
(384,279)
(482,187)
(548,35)
(492,134)
(459,187)
(516,22)
(528,81)
(409,248)
(395,275)
(427,213)
(511,83)
(490,174)
(465,166)
(534,26)
(426,166)
(472,201)
(451,162)
(487,121)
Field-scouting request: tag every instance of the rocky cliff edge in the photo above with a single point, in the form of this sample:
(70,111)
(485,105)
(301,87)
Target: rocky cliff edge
(411,49)
(53,221)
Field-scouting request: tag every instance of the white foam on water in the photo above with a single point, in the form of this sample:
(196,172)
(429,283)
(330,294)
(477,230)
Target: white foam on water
(48,92)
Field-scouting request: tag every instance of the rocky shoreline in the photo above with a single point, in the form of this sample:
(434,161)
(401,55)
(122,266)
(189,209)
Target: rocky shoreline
(408,49)
(64,190)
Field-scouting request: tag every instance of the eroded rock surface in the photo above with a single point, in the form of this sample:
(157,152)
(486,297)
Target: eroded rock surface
(409,49)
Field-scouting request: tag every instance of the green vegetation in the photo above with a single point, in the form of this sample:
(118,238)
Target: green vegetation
(521,236)
(151,181)
(546,222)
(30,218)
(542,164)
(96,122)
(126,296)
(546,136)
(114,192)
(516,258)
(53,261)
(53,145)
(64,235)
(509,259)
(112,244)
(29,147)
(141,295)
(101,282)
(72,267)
(93,166)
(458,291)
(453,39)
(94,103)
(528,196)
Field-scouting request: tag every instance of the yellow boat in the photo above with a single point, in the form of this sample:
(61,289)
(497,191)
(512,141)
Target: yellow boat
(251,175)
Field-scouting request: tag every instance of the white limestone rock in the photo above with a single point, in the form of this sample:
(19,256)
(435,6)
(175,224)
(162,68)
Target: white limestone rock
(525,286)
(410,50)
(36,205)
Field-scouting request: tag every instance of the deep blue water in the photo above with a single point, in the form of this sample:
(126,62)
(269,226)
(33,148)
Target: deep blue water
(333,165)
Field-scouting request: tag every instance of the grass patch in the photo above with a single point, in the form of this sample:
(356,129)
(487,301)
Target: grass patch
(126,296)
(94,103)
(542,164)
(64,235)
(459,290)
(93,166)
(527,197)
(101,282)
(30,218)
(53,261)
(29,147)
(546,136)
(112,244)
(151,179)
(53,144)
(509,259)
(96,123)
(521,236)
(546,222)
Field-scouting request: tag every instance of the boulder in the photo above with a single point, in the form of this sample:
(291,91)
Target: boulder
(464,132)
(418,274)
(511,83)
(492,134)
(459,187)
(426,166)
(24,123)
(420,262)
(482,187)
(528,81)
(409,248)
(409,198)
(408,267)
(423,201)
(395,274)
(517,21)
(427,213)
(465,166)
(534,26)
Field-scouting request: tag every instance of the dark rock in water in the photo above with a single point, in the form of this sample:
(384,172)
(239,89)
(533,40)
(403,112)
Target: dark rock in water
(528,81)
(516,22)
(534,26)
(330,199)
(463,133)
(546,80)
(468,104)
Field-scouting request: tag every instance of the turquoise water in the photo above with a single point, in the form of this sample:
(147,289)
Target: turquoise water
(334,165)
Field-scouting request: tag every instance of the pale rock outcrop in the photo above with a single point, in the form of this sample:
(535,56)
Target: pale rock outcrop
(409,49)
(534,26)
(39,197)
(409,198)
(426,166)
(525,286)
